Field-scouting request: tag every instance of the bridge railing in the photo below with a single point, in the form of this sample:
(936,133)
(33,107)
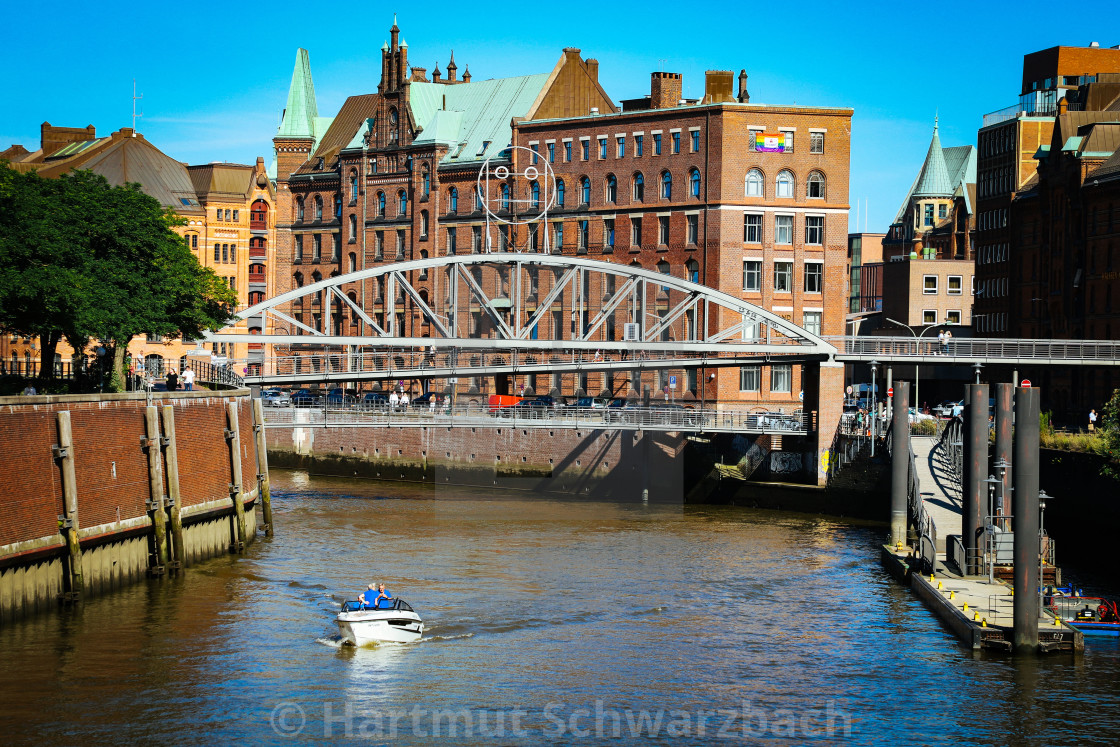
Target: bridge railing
(1104,351)
(919,520)
(210,373)
(653,417)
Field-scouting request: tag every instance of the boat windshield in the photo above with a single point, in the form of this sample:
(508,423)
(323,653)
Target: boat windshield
(355,605)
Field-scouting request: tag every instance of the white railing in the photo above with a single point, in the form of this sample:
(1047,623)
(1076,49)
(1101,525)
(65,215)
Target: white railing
(980,349)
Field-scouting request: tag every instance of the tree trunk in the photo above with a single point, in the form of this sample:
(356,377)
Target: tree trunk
(49,343)
(117,379)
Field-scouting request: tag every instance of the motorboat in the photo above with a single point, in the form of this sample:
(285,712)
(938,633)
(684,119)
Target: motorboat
(392,621)
(1093,616)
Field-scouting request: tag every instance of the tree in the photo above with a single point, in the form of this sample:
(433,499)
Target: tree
(99,261)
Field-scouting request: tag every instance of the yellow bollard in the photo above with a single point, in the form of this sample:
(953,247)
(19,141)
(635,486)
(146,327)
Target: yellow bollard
(966,606)
(1057,622)
(984,623)
(975,615)
(938,584)
(931,578)
(952,595)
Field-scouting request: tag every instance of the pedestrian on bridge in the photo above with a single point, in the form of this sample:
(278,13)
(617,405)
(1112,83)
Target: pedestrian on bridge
(1092,420)
(188,379)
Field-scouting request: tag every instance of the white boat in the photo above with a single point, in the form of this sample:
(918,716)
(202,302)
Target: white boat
(393,621)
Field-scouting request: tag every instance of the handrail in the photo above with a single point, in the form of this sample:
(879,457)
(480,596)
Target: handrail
(918,519)
(978,348)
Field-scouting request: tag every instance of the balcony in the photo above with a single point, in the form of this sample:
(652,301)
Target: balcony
(256,277)
(258,252)
(258,224)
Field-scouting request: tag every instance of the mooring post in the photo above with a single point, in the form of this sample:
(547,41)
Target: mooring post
(1024,520)
(233,438)
(64,452)
(900,461)
(1004,428)
(151,444)
(974,490)
(174,497)
(263,488)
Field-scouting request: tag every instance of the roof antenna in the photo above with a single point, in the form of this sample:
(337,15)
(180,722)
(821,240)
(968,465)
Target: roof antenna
(134,114)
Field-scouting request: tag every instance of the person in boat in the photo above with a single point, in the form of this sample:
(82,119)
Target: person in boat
(382,594)
(368,598)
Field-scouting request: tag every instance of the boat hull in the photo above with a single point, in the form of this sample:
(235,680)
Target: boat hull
(376,626)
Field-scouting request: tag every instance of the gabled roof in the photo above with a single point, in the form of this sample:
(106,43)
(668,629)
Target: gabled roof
(485,109)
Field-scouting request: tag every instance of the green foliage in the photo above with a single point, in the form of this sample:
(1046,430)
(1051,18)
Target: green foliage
(1045,422)
(80,259)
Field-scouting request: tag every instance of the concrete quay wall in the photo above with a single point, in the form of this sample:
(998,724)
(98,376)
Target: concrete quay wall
(89,504)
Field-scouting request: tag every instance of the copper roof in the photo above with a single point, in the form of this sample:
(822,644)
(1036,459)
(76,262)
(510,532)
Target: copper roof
(349,118)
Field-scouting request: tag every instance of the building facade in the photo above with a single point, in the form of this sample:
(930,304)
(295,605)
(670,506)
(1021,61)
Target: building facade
(691,188)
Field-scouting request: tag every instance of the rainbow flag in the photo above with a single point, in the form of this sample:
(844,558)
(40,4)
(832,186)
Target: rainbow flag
(770,143)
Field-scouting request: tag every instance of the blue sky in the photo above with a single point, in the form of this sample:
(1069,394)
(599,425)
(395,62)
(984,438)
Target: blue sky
(215,76)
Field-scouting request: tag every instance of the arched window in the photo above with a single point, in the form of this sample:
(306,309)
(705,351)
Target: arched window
(318,207)
(453,200)
(612,188)
(297,279)
(426,180)
(505,197)
(353,227)
(692,270)
(666,185)
(258,246)
(353,185)
(477,199)
(754,183)
(785,183)
(258,216)
(639,187)
(338,207)
(256,297)
(353,307)
(423,224)
(299,209)
(815,185)
(584,190)
(424,271)
(663,268)
(353,262)
(694,182)
(535,195)
(381,204)
(394,125)
(402,200)
(560,193)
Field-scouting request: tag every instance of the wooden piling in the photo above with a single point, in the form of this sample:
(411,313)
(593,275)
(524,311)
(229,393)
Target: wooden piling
(174,497)
(233,438)
(262,465)
(65,456)
(155,482)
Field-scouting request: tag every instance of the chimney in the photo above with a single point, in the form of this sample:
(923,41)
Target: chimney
(593,69)
(744,97)
(718,85)
(664,90)
(419,74)
(436,75)
(452,68)
(467,74)
(53,139)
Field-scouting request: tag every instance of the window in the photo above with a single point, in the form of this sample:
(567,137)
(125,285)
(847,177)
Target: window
(552,152)
(816,142)
(299,210)
(752,275)
(559,193)
(425,181)
(752,229)
(353,233)
(815,185)
(558,235)
(694,183)
(453,200)
(584,147)
(750,378)
(657,143)
(477,200)
(299,249)
(233,252)
(635,231)
(584,190)
(400,244)
(621,146)
(785,184)
(787,140)
(814,272)
(228,217)
(381,204)
(754,183)
(352,262)
(379,245)
(812,322)
(318,207)
(814,229)
(317,248)
(584,236)
(695,134)
(218,252)
(485,145)
(505,197)
(783,229)
(929,316)
(953,317)
(536,153)
(664,269)
(692,270)
(955,285)
(612,188)
(663,229)
(402,200)
(666,186)
(394,121)
(638,141)
(781,378)
(423,224)
(568,151)
(608,232)
(451,241)
(602,148)
(942,210)
(676,142)
(235,214)
(929,284)
(929,214)
(535,195)
(476,239)
(639,187)
(693,222)
(783,277)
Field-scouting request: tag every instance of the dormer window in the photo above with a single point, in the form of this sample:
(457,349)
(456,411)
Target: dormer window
(319,164)
(485,145)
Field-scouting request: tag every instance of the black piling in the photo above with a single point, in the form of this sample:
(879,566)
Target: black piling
(900,460)
(1025,520)
(1004,428)
(973,489)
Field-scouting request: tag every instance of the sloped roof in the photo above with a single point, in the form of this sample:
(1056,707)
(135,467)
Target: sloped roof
(232,179)
(1101,140)
(1110,169)
(301,111)
(934,180)
(960,162)
(485,109)
(943,173)
(133,159)
(354,114)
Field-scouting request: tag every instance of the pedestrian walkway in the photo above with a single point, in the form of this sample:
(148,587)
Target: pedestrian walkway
(941,490)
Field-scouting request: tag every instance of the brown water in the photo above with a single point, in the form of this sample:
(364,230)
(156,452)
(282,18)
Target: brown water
(546,621)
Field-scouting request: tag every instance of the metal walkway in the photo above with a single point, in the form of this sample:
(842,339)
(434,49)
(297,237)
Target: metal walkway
(969,350)
(940,487)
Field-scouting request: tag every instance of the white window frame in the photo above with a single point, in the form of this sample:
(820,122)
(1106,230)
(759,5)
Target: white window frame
(949,285)
(926,290)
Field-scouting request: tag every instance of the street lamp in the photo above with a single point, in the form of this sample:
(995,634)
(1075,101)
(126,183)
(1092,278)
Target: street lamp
(873,414)
(917,338)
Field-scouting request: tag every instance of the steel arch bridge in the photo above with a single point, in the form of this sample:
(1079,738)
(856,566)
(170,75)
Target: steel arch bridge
(500,313)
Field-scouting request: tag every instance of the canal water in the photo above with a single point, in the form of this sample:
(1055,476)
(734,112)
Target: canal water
(571,622)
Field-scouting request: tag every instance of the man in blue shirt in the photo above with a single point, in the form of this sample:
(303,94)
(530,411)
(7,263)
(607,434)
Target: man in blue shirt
(368,597)
(382,594)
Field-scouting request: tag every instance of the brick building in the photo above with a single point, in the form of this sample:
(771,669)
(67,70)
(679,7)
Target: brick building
(1053,81)
(749,199)
(228,209)
(865,261)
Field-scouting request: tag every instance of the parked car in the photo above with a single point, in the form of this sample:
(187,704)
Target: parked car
(592,403)
(375,401)
(338,398)
(526,408)
(917,416)
(949,409)
(275,398)
(304,398)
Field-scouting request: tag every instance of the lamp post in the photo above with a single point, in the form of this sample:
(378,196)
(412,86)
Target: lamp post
(874,415)
(1042,498)
(917,338)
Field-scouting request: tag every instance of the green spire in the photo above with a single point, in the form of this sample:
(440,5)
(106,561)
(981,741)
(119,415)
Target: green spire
(301,111)
(934,179)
